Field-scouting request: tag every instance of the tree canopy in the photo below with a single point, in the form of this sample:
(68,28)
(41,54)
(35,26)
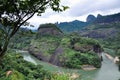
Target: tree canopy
(14,13)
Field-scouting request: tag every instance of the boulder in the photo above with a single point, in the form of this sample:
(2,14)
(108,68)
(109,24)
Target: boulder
(116,60)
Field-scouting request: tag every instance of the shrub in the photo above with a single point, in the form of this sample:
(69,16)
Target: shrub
(118,52)
(21,68)
(79,59)
(60,77)
(63,76)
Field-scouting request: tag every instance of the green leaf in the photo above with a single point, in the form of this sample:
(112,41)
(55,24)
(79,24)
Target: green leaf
(65,7)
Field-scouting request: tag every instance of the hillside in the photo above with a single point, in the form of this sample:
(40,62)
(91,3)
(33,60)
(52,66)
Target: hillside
(108,18)
(69,51)
(101,30)
(73,26)
(59,50)
(95,27)
(47,40)
(65,51)
(103,19)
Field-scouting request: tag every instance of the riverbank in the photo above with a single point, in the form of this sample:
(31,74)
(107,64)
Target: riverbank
(109,56)
(88,67)
(114,60)
(108,71)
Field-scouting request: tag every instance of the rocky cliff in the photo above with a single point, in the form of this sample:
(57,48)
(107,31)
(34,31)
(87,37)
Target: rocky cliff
(49,29)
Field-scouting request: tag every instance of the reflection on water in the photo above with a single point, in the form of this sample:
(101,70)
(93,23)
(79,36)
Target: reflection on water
(108,71)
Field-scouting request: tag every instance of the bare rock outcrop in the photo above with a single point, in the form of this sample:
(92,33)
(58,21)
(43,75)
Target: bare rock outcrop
(54,58)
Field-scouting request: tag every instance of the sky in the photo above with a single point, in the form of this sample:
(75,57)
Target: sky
(79,10)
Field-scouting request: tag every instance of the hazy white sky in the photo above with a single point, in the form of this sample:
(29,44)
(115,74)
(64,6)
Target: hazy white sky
(79,10)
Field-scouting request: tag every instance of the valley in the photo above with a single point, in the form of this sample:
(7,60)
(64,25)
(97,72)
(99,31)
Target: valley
(76,50)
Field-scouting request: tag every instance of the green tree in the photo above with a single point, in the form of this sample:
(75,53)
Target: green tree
(14,13)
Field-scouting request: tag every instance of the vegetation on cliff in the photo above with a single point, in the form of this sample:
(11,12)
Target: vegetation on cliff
(62,51)
(59,50)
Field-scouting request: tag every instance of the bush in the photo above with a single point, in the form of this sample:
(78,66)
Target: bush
(21,68)
(110,51)
(79,59)
(61,76)
(118,52)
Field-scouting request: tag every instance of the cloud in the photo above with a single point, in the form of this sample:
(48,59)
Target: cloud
(92,6)
(79,9)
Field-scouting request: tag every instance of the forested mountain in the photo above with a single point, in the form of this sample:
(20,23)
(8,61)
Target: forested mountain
(108,18)
(103,19)
(95,27)
(90,18)
(102,27)
(76,25)
(73,26)
(101,30)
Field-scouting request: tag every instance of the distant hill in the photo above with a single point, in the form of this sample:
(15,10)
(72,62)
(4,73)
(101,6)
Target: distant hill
(73,26)
(103,27)
(76,25)
(103,19)
(90,18)
(100,30)
(95,27)
(108,18)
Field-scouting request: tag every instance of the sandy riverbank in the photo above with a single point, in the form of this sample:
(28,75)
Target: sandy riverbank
(109,56)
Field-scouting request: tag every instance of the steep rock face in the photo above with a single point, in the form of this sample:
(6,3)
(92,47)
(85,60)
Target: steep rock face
(90,18)
(38,55)
(49,29)
(54,57)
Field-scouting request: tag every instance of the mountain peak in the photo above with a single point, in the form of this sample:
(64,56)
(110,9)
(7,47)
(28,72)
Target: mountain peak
(90,18)
(99,16)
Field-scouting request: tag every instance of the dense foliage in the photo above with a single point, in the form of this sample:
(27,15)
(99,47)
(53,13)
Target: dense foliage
(62,50)
(79,51)
(15,13)
(22,39)
(16,68)
(78,59)
(24,70)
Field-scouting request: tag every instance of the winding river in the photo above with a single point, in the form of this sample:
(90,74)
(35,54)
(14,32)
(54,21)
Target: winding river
(108,71)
